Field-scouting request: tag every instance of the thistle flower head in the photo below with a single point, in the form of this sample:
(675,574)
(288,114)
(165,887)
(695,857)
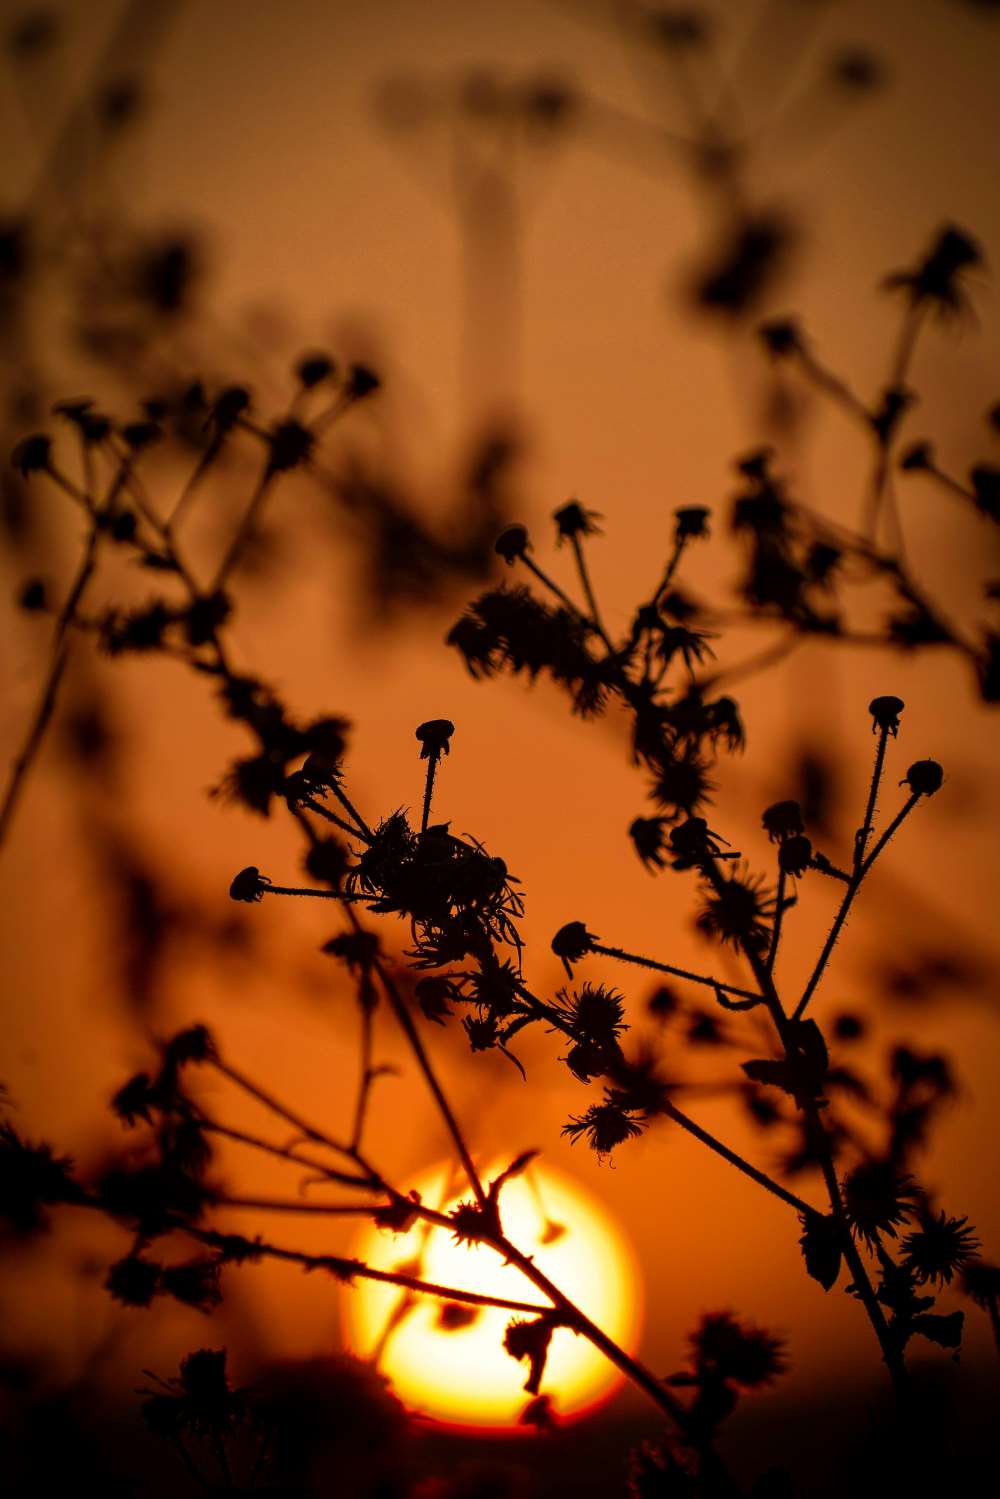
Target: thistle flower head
(794,855)
(877,1199)
(924,777)
(939,1247)
(692,521)
(434,736)
(885,713)
(512,543)
(728,1349)
(737,912)
(783,820)
(248,885)
(573,520)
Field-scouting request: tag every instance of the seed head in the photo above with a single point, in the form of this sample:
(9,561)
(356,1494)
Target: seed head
(885,712)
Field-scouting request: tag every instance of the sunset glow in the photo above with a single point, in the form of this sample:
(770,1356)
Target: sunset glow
(456,1370)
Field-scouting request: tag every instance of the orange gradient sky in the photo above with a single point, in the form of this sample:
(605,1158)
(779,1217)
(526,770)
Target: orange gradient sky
(323,229)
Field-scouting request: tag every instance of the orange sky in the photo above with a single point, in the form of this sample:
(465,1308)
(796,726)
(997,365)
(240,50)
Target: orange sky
(262,130)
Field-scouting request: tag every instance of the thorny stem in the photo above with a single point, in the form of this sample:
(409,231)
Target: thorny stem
(352,811)
(553,587)
(297,1205)
(317,807)
(309,1131)
(588,591)
(821,1143)
(286,1153)
(853,886)
(861,840)
(432,764)
(316,894)
(779,911)
(347,1269)
(681,973)
(760,1177)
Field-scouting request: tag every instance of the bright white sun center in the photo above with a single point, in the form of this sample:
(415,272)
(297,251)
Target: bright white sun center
(447,1360)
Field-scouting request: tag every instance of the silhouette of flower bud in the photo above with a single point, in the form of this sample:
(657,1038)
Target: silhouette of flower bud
(646,834)
(291,444)
(783,820)
(511,544)
(32,596)
(229,406)
(571,942)
(936,278)
(248,885)
(141,435)
(92,426)
(324,738)
(361,382)
(32,455)
(690,837)
(433,995)
(313,369)
(756,465)
(924,777)
(573,520)
(885,711)
(692,520)
(794,855)
(193,1044)
(917,455)
(434,736)
(781,337)
(134,1100)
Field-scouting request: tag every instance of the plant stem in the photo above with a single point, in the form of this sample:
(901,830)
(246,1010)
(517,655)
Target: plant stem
(853,886)
(347,1269)
(681,973)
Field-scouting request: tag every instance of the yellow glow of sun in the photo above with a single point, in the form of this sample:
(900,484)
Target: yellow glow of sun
(446,1360)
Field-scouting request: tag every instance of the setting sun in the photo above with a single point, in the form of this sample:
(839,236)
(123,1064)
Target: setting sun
(447,1360)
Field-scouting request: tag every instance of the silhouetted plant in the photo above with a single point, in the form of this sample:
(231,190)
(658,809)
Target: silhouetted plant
(872,1224)
(462,908)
